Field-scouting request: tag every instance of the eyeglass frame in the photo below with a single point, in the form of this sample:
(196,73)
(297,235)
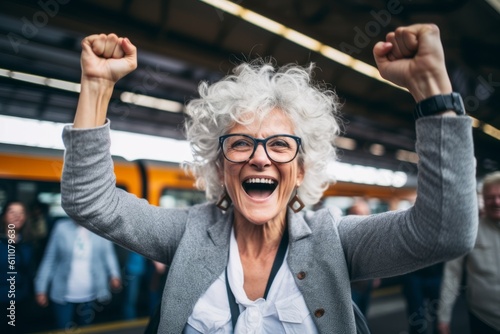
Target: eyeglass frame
(256,142)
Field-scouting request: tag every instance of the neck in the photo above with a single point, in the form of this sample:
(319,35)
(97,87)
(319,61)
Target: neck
(258,240)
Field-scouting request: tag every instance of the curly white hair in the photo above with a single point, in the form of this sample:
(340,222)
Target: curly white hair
(254,89)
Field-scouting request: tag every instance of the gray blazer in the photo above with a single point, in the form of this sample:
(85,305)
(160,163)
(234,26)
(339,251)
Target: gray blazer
(325,252)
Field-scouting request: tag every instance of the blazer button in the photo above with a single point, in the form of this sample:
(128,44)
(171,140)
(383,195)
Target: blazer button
(319,312)
(301,275)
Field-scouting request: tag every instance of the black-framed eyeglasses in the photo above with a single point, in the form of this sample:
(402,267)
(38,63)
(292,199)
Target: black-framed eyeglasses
(241,148)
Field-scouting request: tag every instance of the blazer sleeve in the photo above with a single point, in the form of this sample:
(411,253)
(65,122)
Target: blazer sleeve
(441,225)
(91,198)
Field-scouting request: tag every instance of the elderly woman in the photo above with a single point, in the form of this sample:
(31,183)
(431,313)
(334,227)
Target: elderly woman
(261,138)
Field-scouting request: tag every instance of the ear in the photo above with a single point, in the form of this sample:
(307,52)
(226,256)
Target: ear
(300,174)
(220,174)
(219,167)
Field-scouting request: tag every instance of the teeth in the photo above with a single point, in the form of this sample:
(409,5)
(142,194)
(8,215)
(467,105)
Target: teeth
(260,180)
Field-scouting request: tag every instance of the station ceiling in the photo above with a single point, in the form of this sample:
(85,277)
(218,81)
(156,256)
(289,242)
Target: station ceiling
(183,42)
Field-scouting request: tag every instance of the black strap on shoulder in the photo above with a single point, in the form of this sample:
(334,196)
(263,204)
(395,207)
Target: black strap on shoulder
(360,320)
(235,310)
(278,261)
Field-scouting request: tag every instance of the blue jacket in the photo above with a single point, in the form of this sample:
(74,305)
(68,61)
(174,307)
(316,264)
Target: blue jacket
(54,269)
(325,251)
(23,269)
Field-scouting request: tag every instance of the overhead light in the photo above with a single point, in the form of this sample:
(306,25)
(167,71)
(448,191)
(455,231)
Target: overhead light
(26,77)
(475,122)
(64,85)
(345,143)
(151,102)
(407,156)
(366,175)
(262,21)
(227,6)
(40,80)
(299,38)
(495,4)
(492,131)
(128,97)
(486,128)
(377,149)
(336,55)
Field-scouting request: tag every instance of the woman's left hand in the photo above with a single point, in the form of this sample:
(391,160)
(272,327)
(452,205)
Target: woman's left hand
(413,57)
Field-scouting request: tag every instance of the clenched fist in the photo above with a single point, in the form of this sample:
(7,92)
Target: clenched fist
(413,57)
(107,57)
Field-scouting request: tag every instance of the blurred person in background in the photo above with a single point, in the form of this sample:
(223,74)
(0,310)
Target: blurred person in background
(481,268)
(18,267)
(157,276)
(361,290)
(138,268)
(39,228)
(421,291)
(78,271)
(135,268)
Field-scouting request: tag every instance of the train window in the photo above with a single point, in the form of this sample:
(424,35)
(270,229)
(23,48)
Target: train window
(40,193)
(404,204)
(53,202)
(3,197)
(181,198)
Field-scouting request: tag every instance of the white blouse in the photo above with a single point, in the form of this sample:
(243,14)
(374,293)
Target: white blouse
(284,311)
(80,279)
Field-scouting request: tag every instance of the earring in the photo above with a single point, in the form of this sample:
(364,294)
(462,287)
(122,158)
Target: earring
(224,202)
(296,203)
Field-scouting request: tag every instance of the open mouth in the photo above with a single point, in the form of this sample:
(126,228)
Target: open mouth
(259,187)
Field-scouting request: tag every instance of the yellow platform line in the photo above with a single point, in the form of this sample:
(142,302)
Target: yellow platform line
(103,328)
(387,291)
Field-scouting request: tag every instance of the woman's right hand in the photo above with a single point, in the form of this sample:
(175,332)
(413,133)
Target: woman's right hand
(105,60)
(107,57)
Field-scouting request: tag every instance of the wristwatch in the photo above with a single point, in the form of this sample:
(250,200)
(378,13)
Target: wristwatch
(439,103)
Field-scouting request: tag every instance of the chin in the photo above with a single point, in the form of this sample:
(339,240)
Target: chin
(260,218)
(260,215)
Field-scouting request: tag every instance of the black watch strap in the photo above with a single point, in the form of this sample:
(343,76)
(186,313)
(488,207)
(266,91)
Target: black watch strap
(439,103)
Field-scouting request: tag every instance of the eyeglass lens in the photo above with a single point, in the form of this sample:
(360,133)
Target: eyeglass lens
(239,148)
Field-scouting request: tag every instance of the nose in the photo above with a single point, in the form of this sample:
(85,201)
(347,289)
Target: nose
(259,157)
